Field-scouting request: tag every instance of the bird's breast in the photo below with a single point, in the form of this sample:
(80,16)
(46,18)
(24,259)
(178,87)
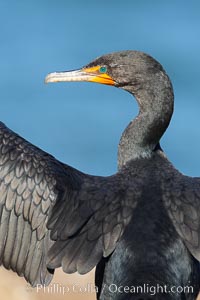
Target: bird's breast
(150,251)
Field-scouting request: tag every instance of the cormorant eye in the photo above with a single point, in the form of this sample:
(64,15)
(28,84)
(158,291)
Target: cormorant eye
(102,69)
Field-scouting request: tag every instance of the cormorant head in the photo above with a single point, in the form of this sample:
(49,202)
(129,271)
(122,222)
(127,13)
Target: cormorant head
(126,69)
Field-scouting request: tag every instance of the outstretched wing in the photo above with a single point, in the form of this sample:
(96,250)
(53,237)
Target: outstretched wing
(31,181)
(182,200)
(52,214)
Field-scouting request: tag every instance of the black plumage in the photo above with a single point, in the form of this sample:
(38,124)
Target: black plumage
(140,226)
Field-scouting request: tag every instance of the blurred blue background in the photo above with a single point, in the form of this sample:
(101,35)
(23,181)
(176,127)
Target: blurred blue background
(81,123)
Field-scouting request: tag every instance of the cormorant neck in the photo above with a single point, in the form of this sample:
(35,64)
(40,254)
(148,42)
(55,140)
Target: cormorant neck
(142,135)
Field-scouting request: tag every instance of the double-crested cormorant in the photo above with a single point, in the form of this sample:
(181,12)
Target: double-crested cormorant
(140,226)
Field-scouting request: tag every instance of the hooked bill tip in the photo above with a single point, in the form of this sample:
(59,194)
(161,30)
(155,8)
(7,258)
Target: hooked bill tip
(51,77)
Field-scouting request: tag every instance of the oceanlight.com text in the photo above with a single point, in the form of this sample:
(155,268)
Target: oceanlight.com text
(149,289)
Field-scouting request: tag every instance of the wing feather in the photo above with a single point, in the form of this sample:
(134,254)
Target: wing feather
(10,241)
(29,265)
(5,215)
(18,243)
